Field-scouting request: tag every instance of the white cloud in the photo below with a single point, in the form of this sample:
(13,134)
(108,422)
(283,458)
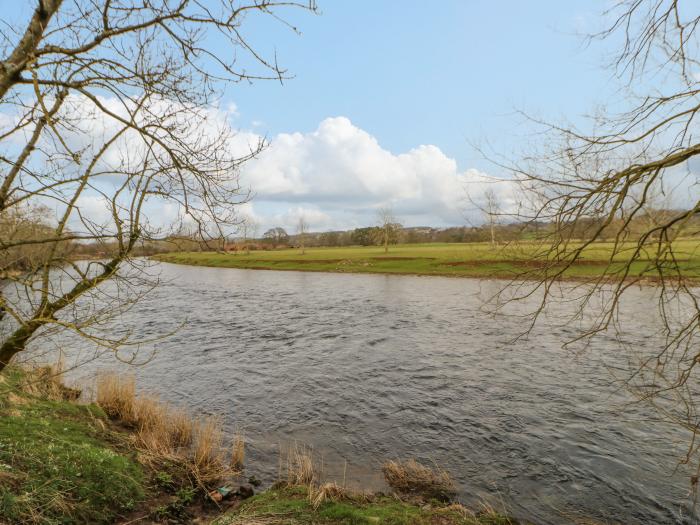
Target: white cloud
(336,176)
(343,175)
(314,217)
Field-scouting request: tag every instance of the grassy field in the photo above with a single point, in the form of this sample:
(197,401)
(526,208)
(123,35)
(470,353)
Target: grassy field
(460,260)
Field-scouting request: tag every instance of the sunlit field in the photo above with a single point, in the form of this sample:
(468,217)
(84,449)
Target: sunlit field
(449,259)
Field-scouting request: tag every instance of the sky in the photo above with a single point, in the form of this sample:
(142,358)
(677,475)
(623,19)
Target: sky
(390,97)
(390,100)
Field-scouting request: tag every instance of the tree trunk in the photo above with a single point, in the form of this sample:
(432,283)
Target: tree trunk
(16,343)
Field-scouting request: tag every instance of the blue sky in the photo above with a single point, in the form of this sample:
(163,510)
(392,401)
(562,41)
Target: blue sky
(409,72)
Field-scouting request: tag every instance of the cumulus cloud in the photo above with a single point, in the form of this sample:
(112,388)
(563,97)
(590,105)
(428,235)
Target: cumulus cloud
(340,174)
(336,176)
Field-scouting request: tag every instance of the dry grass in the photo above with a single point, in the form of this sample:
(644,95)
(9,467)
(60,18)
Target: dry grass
(154,432)
(181,427)
(116,395)
(302,471)
(326,492)
(164,433)
(412,478)
(238,452)
(47,382)
(300,466)
(208,460)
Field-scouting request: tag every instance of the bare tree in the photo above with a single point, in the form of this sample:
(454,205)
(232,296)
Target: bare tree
(249,228)
(388,226)
(492,211)
(302,230)
(110,111)
(608,177)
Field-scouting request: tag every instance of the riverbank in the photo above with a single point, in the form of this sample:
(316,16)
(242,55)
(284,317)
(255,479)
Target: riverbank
(521,260)
(130,459)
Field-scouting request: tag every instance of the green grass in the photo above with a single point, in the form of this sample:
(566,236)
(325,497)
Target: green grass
(291,507)
(58,464)
(460,260)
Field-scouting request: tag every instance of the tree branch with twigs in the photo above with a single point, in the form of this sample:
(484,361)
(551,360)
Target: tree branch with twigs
(602,185)
(112,113)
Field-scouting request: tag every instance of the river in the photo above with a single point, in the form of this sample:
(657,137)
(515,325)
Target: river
(365,368)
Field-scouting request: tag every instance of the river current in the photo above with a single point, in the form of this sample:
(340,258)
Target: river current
(364,368)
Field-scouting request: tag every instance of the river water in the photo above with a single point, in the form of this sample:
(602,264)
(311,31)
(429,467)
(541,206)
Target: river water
(365,368)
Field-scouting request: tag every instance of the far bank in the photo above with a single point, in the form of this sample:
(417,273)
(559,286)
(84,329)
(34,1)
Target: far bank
(521,260)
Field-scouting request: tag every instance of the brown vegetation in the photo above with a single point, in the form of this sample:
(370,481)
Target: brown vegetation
(300,467)
(411,478)
(238,452)
(46,382)
(164,433)
(326,492)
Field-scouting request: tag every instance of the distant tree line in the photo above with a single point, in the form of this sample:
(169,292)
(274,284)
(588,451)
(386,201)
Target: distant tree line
(582,229)
(33,223)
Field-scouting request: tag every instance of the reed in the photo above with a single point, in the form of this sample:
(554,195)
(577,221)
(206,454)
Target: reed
(412,478)
(300,466)
(207,457)
(116,396)
(238,452)
(164,433)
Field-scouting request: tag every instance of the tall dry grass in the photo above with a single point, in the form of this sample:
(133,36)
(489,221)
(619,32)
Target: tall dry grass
(238,452)
(181,427)
(116,395)
(47,382)
(411,478)
(300,469)
(327,492)
(208,459)
(166,433)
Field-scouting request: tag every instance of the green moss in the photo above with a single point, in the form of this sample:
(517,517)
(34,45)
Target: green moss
(57,462)
(291,507)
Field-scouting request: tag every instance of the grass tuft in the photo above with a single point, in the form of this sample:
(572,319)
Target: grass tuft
(300,466)
(116,395)
(238,452)
(47,382)
(411,478)
(208,460)
(326,492)
(181,428)
(167,434)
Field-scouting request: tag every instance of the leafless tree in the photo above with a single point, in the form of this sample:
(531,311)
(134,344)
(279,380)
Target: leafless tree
(302,230)
(109,111)
(388,226)
(492,211)
(248,227)
(608,176)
